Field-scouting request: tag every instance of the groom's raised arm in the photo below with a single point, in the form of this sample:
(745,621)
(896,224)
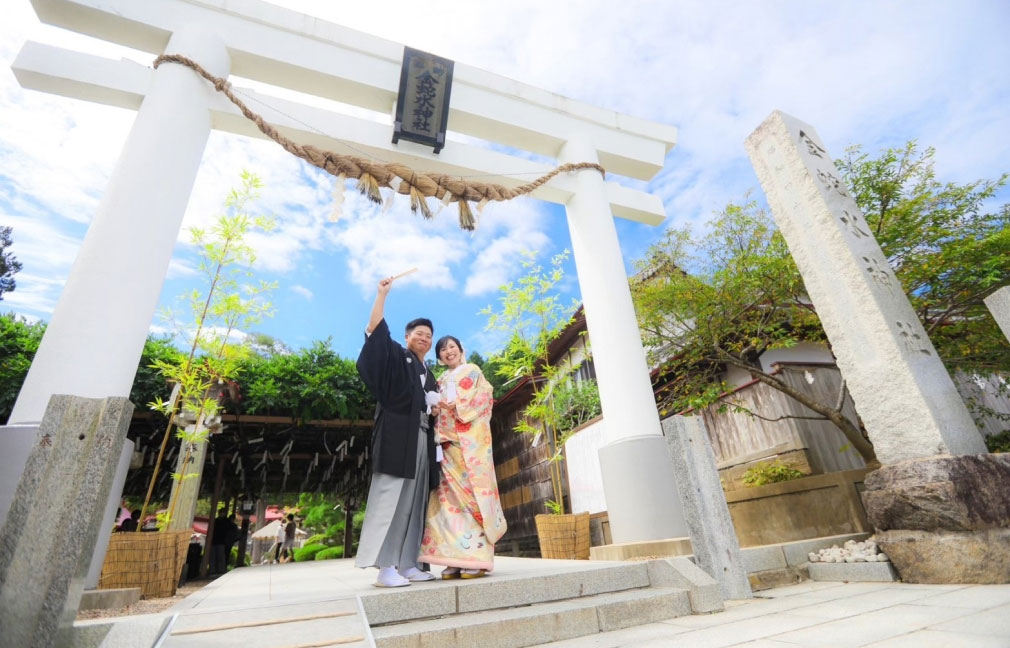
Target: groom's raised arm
(375,362)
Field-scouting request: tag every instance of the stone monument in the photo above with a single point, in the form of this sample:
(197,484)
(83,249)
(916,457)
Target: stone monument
(904,395)
(49,535)
(998,304)
(713,539)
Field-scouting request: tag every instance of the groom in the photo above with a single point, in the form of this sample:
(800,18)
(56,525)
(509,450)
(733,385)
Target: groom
(404,469)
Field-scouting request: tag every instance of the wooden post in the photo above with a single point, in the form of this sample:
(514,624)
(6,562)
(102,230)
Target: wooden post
(205,561)
(348,526)
(243,538)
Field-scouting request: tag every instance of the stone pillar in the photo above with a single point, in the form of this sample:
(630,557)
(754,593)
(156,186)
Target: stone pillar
(96,334)
(713,538)
(940,518)
(902,391)
(998,304)
(638,483)
(49,536)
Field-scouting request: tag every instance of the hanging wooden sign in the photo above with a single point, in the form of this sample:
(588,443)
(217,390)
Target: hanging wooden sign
(422,104)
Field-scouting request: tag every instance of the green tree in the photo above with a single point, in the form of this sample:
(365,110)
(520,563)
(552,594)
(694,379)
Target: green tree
(322,518)
(532,314)
(727,297)
(224,306)
(313,383)
(490,369)
(150,384)
(9,265)
(19,340)
(744,298)
(949,248)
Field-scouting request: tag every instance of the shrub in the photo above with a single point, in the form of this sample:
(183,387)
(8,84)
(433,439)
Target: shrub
(998,442)
(770,473)
(330,552)
(308,552)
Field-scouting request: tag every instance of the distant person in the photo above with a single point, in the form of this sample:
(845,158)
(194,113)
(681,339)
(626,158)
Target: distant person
(288,547)
(279,541)
(132,522)
(225,535)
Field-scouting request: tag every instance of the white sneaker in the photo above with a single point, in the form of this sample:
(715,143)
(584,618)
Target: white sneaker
(389,578)
(415,575)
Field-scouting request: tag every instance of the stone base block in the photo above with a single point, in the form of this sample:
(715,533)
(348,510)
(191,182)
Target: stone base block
(639,550)
(857,572)
(105,599)
(949,556)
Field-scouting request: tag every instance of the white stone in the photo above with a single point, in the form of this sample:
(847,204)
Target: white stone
(903,393)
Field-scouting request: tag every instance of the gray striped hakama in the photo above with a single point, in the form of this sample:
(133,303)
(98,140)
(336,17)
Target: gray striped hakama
(394,515)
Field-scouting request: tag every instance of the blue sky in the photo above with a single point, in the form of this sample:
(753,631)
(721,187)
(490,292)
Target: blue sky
(869,73)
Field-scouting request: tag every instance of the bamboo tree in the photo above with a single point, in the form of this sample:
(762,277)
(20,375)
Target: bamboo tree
(227,306)
(531,312)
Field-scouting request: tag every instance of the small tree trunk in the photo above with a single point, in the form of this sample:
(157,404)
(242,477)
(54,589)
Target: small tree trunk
(852,433)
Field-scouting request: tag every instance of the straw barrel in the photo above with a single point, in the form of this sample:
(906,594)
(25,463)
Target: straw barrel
(150,561)
(564,536)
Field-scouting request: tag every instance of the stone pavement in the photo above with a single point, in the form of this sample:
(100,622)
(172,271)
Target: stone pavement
(835,615)
(810,614)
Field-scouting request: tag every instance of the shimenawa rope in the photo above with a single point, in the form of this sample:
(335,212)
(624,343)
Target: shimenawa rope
(373,175)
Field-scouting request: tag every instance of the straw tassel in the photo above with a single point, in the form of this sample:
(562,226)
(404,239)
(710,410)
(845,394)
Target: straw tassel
(418,203)
(369,188)
(466,220)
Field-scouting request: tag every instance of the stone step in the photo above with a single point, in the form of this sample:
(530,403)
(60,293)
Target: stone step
(317,623)
(441,598)
(540,623)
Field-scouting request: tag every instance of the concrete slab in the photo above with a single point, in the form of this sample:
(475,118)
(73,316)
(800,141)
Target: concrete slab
(888,615)
(939,639)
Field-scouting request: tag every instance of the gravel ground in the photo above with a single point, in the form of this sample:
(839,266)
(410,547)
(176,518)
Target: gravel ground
(145,606)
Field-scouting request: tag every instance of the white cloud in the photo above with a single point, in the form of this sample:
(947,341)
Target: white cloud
(303,291)
(178,267)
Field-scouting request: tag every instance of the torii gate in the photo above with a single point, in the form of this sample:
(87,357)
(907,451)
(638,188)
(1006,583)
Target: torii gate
(97,331)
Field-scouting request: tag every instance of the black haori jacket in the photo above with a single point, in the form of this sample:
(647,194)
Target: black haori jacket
(392,375)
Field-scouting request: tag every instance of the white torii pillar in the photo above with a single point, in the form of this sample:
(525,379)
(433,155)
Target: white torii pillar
(638,481)
(105,310)
(106,307)
(104,313)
